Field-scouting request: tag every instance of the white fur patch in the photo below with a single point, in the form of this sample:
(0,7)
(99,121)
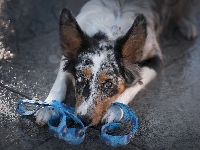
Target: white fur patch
(113,114)
(105,16)
(59,88)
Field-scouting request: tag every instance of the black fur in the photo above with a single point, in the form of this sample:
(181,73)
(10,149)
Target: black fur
(155,63)
(100,36)
(69,65)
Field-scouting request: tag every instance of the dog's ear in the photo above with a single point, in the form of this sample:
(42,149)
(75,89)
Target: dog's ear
(71,35)
(130,48)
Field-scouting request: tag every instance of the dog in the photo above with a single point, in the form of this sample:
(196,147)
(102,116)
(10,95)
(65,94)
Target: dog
(111,51)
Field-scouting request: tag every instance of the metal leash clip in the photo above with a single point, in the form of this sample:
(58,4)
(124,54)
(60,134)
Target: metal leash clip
(66,126)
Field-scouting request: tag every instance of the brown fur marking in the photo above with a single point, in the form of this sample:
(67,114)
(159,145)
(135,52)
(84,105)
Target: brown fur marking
(102,105)
(132,49)
(70,40)
(87,72)
(102,77)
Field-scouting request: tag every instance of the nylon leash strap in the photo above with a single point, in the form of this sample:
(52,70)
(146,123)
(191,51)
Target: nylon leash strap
(61,124)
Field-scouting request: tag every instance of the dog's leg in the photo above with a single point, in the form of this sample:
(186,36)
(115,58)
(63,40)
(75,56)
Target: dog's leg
(180,15)
(114,113)
(187,28)
(57,92)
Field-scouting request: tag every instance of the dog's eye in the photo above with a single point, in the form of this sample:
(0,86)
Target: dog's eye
(87,62)
(107,84)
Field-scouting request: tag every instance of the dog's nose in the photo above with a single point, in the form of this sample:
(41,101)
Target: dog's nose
(85,119)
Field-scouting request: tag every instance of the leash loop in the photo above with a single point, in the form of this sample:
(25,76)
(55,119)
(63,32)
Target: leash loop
(26,112)
(120,140)
(61,124)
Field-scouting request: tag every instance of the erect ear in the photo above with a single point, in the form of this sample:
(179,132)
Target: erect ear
(130,47)
(71,35)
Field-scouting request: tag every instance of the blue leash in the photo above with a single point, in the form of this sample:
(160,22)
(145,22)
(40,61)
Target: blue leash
(75,135)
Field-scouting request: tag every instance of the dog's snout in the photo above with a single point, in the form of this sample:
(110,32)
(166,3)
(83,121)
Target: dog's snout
(86,119)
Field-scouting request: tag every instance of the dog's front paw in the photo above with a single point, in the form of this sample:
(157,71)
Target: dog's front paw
(42,115)
(114,114)
(188,29)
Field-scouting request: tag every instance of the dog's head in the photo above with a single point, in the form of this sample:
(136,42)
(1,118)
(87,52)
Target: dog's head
(102,69)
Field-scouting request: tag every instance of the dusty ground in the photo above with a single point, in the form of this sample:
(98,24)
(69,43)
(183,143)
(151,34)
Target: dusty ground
(168,109)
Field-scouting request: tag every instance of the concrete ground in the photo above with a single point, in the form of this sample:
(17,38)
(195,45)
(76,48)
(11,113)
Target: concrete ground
(168,108)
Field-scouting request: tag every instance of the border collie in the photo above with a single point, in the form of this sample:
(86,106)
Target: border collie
(110,52)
